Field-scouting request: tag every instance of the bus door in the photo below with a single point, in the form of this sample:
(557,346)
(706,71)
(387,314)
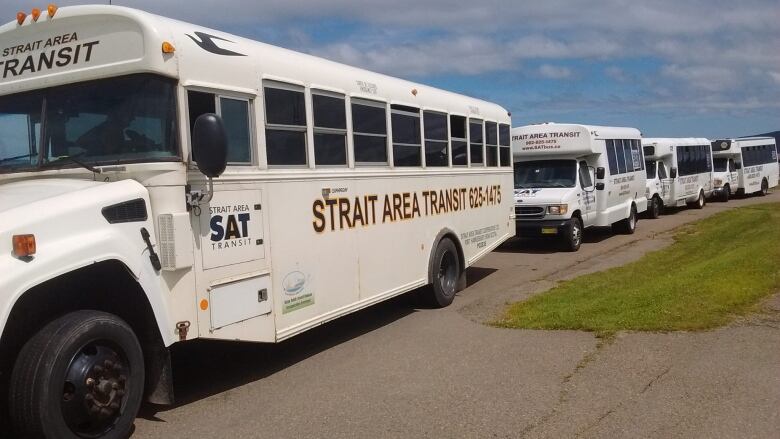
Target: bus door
(666,183)
(588,193)
(732,176)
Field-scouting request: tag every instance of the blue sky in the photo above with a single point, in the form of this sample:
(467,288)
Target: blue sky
(707,68)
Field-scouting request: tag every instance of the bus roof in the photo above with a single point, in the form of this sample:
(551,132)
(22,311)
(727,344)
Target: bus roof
(125,40)
(664,146)
(549,139)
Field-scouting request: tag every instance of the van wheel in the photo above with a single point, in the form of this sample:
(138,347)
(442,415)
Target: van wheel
(444,271)
(726,194)
(573,238)
(764,188)
(81,376)
(626,226)
(654,211)
(701,202)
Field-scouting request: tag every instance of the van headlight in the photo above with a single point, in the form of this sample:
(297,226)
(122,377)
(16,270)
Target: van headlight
(558,209)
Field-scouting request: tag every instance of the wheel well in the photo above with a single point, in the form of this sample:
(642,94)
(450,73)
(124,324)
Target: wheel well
(576,213)
(105,286)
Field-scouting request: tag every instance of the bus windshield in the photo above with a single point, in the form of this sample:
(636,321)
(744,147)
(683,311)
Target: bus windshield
(545,174)
(720,164)
(118,120)
(650,168)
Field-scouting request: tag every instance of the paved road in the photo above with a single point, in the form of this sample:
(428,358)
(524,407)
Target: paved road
(398,371)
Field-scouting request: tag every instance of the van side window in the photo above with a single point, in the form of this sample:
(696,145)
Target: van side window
(459,145)
(732,168)
(585,180)
(330,129)
(435,139)
(285,125)
(662,171)
(621,158)
(235,116)
(612,157)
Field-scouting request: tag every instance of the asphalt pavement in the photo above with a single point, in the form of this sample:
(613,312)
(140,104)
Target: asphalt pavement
(396,370)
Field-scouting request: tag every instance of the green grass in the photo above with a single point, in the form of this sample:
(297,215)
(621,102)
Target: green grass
(717,268)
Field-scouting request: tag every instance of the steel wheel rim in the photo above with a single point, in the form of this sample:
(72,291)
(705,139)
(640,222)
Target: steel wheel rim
(94,389)
(576,233)
(447,274)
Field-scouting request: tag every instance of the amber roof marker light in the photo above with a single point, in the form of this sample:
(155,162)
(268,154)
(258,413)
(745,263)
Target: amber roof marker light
(20,16)
(24,245)
(167,47)
(36,14)
(51,9)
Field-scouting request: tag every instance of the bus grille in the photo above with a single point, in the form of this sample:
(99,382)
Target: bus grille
(529,212)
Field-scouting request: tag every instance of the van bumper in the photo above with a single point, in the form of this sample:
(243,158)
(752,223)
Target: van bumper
(529,228)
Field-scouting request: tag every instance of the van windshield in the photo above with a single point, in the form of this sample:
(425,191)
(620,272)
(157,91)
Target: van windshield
(720,164)
(545,174)
(118,120)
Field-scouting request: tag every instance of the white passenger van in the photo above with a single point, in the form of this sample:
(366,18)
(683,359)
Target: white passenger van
(161,182)
(561,181)
(679,172)
(744,166)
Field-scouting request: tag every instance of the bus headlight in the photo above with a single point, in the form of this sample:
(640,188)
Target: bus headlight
(558,209)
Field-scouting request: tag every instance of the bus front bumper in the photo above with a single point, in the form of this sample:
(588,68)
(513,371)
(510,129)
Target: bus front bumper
(535,228)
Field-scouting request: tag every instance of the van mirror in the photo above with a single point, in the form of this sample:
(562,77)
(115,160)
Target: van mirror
(673,173)
(209,145)
(599,186)
(600,173)
(738,165)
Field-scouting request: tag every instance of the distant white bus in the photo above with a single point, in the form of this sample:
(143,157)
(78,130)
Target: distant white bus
(161,182)
(561,181)
(679,172)
(744,166)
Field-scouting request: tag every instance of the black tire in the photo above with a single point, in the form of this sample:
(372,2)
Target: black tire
(81,376)
(626,226)
(726,194)
(701,201)
(764,188)
(573,238)
(444,272)
(655,208)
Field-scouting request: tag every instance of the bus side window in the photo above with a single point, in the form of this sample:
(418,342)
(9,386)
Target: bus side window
(731,165)
(505,148)
(585,180)
(491,139)
(435,125)
(476,142)
(662,171)
(611,157)
(407,148)
(235,115)
(330,129)
(285,125)
(459,145)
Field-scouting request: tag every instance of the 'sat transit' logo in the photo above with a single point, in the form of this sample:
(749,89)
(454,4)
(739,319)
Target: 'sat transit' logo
(230,226)
(206,42)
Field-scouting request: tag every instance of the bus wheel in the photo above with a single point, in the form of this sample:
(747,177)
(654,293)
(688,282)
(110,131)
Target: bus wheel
(654,210)
(81,376)
(726,194)
(701,201)
(573,239)
(764,187)
(445,273)
(626,226)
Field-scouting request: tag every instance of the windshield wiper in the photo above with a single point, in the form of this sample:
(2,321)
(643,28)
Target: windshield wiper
(25,156)
(72,159)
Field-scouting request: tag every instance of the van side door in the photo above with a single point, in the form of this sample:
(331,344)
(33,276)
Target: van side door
(588,193)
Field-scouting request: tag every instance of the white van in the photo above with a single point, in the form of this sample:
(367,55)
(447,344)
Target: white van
(747,165)
(679,172)
(561,180)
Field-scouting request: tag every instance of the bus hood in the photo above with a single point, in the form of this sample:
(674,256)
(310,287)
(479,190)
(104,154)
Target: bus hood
(22,193)
(533,196)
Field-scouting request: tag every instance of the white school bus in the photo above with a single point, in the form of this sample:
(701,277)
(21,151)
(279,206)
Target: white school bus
(561,181)
(161,182)
(744,166)
(679,173)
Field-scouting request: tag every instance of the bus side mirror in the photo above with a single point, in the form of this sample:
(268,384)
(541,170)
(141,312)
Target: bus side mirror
(738,165)
(673,173)
(600,173)
(599,186)
(209,145)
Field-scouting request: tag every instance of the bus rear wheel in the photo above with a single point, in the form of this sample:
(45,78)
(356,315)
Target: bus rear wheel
(81,376)
(445,273)
(764,188)
(701,201)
